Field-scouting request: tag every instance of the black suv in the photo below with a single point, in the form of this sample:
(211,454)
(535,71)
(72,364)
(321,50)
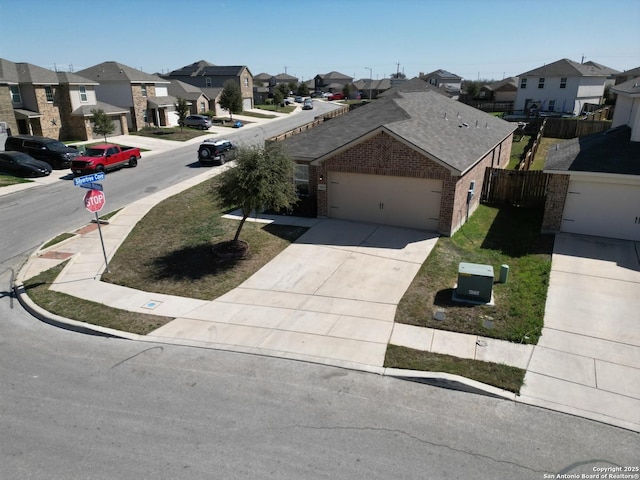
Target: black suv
(215,151)
(54,152)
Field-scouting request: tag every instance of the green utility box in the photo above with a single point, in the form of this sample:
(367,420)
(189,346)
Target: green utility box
(475,282)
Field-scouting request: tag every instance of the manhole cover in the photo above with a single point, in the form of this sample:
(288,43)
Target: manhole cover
(488,324)
(439,315)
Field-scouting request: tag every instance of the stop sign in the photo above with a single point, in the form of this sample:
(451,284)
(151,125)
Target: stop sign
(94,200)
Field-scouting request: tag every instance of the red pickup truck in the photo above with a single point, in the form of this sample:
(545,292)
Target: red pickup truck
(104,157)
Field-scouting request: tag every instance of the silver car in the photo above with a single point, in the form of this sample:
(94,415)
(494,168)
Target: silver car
(197,121)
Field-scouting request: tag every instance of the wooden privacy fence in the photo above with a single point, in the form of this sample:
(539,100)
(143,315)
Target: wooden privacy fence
(514,187)
(318,120)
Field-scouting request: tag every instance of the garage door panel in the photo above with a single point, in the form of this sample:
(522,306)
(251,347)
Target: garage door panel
(602,209)
(399,201)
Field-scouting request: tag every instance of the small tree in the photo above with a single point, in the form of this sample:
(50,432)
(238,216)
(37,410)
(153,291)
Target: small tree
(303,90)
(293,86)
(231,98)
(346,90)
(283,88)
(182,109)
(278,98)
(102,124)
(262,178)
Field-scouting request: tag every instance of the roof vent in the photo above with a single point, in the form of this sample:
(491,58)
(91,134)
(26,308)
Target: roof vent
(465,125)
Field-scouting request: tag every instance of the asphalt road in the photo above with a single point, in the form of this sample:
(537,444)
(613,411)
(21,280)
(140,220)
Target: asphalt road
(75,406)
(33,216)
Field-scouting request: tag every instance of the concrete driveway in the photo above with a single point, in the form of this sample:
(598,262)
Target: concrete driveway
(330,297)
(587,361)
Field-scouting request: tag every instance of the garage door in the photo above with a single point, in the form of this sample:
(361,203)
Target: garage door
(117,127)
(247,104)
(602,209)
(398,201)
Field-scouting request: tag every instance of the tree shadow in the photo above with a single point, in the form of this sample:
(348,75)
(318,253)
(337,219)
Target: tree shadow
(192,263)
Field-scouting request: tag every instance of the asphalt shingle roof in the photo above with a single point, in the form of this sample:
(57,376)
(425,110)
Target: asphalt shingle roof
(117,72)
(608,152)
(631,87)
(453,133)
(568,68)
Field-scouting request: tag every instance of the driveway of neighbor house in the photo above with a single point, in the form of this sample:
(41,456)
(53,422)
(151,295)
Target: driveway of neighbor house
(587,361)
(322,299)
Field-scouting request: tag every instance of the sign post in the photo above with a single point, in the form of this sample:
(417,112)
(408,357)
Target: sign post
(94,201)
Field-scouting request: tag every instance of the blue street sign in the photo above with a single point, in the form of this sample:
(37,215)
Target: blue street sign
(92,186)
(94,177)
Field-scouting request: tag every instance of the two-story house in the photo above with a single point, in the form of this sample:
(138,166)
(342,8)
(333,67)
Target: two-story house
(447,81)
(197,100)
(37,101)
(143,95)
(561,87)
(264,85)
(211,78)
(331,82)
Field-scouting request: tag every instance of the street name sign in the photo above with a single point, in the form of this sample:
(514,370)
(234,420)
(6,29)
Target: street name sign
(92,186)
(94,177)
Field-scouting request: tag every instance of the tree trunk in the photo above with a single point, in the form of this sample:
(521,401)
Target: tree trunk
(244,218)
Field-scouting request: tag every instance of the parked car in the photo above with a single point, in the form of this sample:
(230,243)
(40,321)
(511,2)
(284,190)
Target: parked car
(197,121)
(298,99)
(104,157)
(288,101)
(326,94)
(215,151)
(308,104)
(336,96)
(317,94)
(54,152)
(18,163)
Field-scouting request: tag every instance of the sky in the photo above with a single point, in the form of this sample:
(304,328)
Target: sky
(475,39)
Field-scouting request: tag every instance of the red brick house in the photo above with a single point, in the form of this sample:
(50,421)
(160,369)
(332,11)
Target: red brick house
(407,160)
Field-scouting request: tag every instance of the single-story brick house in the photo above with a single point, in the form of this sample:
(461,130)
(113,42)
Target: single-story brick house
(406,160)
(594,187)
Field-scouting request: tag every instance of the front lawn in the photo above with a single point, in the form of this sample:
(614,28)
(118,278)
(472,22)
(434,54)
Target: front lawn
(6,180)
(492,236)
(177,134)
(171,249)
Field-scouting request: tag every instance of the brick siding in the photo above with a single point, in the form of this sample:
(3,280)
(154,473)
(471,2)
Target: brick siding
(554,204)
(6,110)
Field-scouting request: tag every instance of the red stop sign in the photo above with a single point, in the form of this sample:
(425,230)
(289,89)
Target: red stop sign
(94,200)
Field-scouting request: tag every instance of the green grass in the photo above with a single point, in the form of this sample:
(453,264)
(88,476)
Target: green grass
(500,376)
(6,180)
(517,149)
(274,108)
(257,115)
(171,249)
(177,134)
(492,236)
(60,238)
(78,309)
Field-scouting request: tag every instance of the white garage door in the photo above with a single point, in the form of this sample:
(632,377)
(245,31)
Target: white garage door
(398,201)
(602,209)
(247,104)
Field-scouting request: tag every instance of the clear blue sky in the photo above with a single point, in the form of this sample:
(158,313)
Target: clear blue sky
(472,38)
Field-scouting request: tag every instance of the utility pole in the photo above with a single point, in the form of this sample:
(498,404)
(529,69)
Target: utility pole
(285,69)
(370,80)
(397,69)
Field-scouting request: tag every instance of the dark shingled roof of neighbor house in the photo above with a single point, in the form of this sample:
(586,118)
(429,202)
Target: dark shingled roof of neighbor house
(450,132)
(608,152)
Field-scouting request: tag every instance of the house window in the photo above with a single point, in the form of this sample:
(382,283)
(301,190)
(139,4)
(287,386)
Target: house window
(301,179)
(563,82)
(145,116)
(143,87)
(49,93)
(208,81)
(541,82)
(552,105)
(246,81)
(83,93)
(523,83)
(202,107)
(15,94)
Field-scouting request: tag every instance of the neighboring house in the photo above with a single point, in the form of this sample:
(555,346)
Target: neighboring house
(37,101)
(197,100)
(331,82)
(408,159)
(211,78)
(372,88)
(502,91)
(627,75)
(449,82)
(562,87)
(265,84)
(594,188)
(143,95)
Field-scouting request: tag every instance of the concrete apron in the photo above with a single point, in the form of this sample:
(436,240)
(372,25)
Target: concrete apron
(330,298)
(587,361)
